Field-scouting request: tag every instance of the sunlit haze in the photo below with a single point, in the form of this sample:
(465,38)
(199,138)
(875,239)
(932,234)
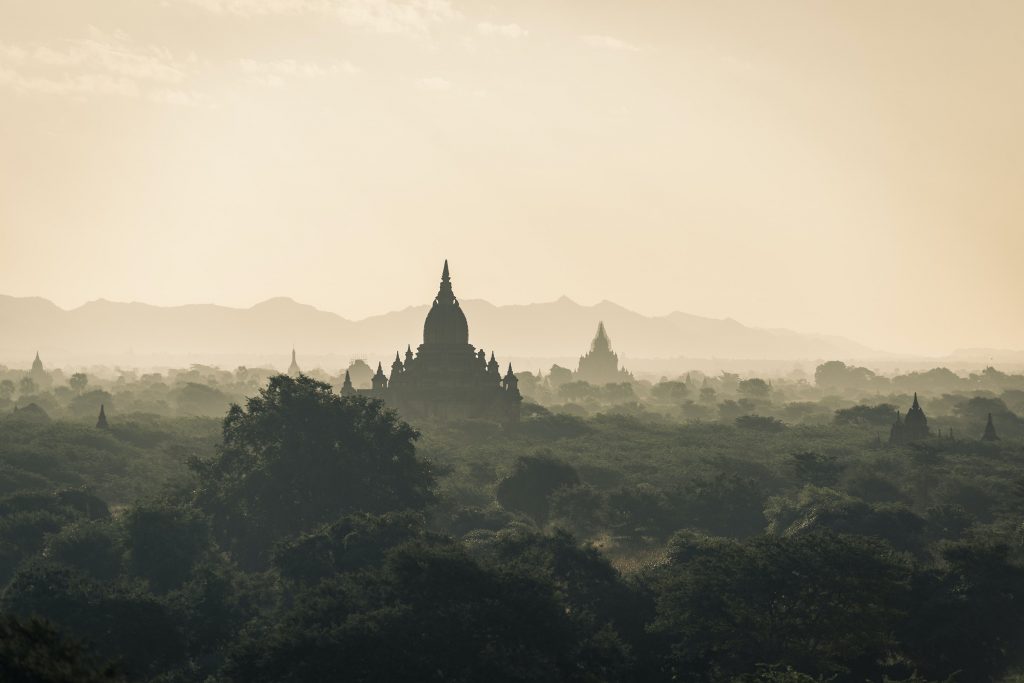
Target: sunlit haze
(838,168)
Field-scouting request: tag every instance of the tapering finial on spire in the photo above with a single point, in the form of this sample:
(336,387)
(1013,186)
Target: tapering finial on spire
(445,295)
(601,343)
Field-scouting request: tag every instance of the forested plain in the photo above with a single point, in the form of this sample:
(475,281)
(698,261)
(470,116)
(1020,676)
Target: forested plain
(242,526)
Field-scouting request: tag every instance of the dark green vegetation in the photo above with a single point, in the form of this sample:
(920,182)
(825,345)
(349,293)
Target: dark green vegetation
(306,538)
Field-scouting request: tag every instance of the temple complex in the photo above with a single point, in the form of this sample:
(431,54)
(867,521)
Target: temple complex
(601,365)
(914,427)
(446,377)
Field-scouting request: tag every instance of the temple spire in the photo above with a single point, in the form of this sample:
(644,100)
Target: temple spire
(101,421)
(990,431)
(379,380)
(445,295)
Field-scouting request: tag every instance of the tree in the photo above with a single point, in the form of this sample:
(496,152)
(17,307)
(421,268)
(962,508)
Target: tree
(754,388)
(967,618)
(87,405)
(822,603)
(31,651)
(27,386)
(429,612)
(577,391)
(838,375)
(79,381)
(814,468)
(164,543)
(881,415)
(6,389)
(558,376)
(533,479)
(123,623)
(760,423)
(298,456)
(669,392)
(199,399)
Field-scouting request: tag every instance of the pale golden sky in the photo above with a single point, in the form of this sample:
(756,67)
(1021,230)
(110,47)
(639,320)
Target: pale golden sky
(853,168)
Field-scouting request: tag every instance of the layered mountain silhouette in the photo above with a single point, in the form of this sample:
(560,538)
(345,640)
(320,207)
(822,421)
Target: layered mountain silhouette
(105,331)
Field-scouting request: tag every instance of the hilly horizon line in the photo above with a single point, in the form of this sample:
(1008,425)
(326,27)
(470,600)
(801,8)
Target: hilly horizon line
(561,328)
(289,299)
(561,299)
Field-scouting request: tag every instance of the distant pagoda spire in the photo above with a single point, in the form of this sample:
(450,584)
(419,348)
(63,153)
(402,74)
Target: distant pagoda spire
(510,381)
(601,343)
(294,370)
(101,421)
(990,431)
(379,380)
(913,427)
(896,431)
(396,367)
(346,386)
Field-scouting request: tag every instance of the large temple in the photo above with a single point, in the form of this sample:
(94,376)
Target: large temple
(447,377)
(601,365)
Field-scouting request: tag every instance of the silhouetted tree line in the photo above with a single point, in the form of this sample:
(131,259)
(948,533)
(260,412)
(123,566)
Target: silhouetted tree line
(326,538)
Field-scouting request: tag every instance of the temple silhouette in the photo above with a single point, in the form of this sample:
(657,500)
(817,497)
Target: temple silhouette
(990,431)
(601,365)
(914,427)
(447,378)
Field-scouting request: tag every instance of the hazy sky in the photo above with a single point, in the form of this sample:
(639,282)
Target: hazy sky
(853,168)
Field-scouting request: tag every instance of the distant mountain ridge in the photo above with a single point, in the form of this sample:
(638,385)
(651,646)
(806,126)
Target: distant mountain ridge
(103,329)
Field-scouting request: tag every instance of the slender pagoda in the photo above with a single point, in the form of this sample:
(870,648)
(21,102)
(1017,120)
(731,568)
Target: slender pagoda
(990,431)
(447,378)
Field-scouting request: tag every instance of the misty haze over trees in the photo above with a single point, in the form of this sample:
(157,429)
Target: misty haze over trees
(762,423)
(243,525)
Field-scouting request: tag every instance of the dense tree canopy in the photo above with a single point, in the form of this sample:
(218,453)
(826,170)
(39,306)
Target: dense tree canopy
(717,534)
(299,455)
